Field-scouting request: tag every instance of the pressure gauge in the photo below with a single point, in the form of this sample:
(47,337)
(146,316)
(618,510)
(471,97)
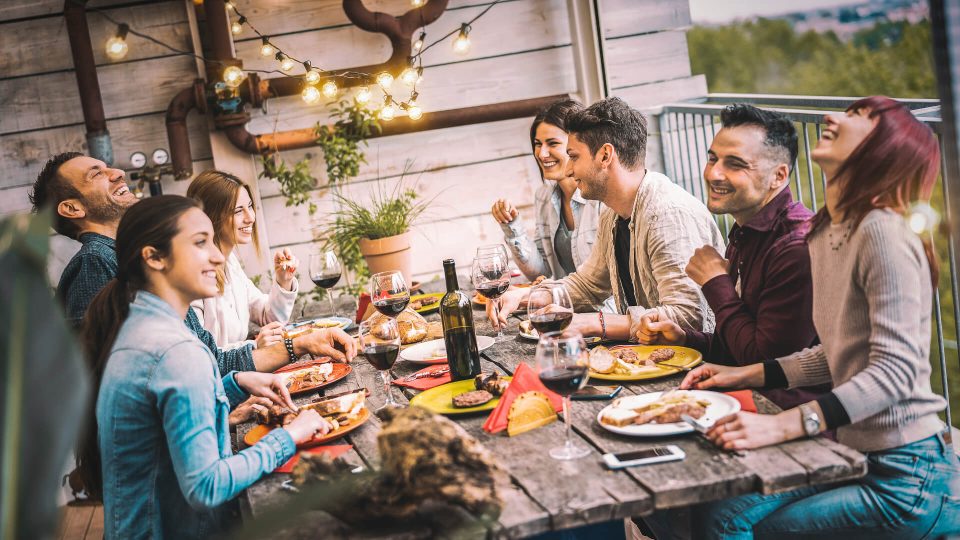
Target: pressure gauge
(160,156)
(138,159)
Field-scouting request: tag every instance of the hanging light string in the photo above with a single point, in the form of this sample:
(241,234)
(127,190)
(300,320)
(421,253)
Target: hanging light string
(459,29)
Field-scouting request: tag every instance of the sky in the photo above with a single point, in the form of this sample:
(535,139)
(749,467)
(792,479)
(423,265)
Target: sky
(721,11)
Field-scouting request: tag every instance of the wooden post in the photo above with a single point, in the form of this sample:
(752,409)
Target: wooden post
(586,33)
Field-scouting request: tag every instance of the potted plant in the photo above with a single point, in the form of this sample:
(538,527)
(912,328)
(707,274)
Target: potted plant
(379,229)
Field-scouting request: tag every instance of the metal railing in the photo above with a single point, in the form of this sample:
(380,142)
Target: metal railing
(687,130)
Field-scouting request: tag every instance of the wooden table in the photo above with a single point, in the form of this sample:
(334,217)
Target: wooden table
(551,495)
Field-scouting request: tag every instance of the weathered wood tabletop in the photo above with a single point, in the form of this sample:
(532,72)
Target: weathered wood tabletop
(548,494)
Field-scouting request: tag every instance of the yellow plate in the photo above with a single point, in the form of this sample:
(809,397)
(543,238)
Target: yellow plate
(430,308)
(440,398)
(684,358)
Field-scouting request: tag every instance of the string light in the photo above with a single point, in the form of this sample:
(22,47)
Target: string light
(229,4)
(922,218)
(236,27)
(267,49)
(461,44)
(418,3)
(363,95)
(389,111)
(286,64)
(418,44)
(310,95)
(414,111)
(411,76)
(385,80)
(233,76)
(117,46)
(329,89)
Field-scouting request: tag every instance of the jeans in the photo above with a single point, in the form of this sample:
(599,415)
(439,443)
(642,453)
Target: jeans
(912,491)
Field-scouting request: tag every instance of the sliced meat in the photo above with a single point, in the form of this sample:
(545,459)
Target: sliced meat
(671,413)
(471,399)
(627,355)
(662,355)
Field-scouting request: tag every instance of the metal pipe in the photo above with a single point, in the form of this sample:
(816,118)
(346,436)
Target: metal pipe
(85,67)
(178,136)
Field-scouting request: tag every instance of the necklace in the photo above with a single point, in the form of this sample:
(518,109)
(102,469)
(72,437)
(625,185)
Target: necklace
(837,235)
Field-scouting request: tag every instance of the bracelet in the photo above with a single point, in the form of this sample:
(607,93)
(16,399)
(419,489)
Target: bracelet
(288,343)
(603,326)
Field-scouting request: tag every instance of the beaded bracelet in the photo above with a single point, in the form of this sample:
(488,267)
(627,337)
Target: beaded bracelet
(288,343)
(603,326)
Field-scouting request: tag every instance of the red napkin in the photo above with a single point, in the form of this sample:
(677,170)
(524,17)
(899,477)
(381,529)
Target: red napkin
(425,383)
(524,380)
(363,304)
(745,397)
(334,451)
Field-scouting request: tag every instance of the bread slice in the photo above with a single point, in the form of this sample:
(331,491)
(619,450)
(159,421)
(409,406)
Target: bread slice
(602,360)
(618,417)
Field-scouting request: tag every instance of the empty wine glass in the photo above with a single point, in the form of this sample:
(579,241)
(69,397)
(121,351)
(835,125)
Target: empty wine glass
(325,272)
(380,345)
(490,278)
(389,293)
(549,307)
(562,364)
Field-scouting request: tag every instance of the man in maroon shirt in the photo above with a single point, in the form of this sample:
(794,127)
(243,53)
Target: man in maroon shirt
(762,292)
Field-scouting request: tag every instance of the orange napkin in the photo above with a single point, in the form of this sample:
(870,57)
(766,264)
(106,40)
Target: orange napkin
(334,451)
(425,383)
(525,379)
(745,397)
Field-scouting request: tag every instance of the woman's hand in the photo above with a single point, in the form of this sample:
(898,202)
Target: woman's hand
(307,424)
(744,430)
(713,375)
(332,342)
(270,333)
(653,331)
(507,304)
(247,410)
(285,265)
(503,211)
(267,385)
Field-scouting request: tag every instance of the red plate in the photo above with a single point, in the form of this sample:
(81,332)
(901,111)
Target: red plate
(260,430)
(339,371)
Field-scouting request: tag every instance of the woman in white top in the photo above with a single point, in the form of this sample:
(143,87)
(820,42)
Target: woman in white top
(566,223)
(228,203)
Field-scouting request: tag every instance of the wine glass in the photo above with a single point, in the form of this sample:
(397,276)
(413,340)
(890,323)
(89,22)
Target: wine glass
(325,272)
(492,249)
(490,278)
(549,307)
(562,364)
(389,293)
(380,345)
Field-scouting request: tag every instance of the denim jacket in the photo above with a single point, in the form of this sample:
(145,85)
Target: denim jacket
(163,433)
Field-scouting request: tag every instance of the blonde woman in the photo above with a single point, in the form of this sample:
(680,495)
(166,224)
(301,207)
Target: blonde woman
(228,203)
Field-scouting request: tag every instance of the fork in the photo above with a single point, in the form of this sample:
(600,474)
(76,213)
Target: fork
(431,374)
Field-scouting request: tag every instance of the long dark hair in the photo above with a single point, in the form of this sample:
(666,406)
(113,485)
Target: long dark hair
(896,165)
(152,222)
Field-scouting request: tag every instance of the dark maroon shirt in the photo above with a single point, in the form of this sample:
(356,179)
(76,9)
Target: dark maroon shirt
(773,314)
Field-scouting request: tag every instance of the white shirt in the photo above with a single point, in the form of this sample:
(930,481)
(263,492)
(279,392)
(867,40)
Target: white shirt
(228,316)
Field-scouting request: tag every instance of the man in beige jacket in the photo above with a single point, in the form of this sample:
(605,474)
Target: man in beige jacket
(648,232)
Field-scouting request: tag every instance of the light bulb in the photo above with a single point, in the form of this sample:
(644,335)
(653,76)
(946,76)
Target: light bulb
(385,80)
(312,76)
(229,5)
(236,27)
(388,112)
(363,95)
(233,76)
(409,76)
(922,218)
(267,49)
(462,44)
(117,48)
(418,3)
(329,89)
(414,111)
(286,64)
(310,95)
(418,44)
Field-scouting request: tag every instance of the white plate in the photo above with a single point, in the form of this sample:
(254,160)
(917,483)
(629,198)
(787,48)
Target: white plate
(342,322)
(423,353)
(720,405)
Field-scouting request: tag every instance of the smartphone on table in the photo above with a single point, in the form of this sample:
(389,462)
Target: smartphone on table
(649,456)
(597,392)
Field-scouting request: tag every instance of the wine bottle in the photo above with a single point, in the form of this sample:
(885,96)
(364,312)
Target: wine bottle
(459,337)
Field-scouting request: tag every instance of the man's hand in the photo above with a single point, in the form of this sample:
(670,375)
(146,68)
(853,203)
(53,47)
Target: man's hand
(507,304)
(706,264)
(503,211)
(266,385)
(327,342)
(247,410)
(654,331)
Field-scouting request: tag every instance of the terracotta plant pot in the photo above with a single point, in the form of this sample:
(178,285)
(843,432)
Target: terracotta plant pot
(390,253)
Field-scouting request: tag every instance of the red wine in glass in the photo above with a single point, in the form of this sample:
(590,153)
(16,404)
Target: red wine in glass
(325,282)
(391,307)
(382,356)
(563,379)
(493,289)
(551,322)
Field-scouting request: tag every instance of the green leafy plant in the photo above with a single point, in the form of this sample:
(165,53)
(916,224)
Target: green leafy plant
(342,142)
(295,183)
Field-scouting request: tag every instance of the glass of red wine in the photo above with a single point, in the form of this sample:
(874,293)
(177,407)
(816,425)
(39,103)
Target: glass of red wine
(491,279)
(562,363)
(325,272)
(380,344)
(549,307)
(389,293)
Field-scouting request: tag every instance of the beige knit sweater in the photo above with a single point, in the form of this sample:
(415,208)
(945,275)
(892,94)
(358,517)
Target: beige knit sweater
(871,308)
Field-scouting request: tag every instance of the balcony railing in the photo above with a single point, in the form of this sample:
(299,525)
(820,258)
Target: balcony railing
(688,128)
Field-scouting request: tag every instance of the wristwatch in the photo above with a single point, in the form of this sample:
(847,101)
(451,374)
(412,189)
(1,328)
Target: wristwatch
(812,425)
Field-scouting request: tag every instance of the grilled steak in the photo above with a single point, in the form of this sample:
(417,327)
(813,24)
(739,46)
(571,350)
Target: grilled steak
(471,399)
(662,355)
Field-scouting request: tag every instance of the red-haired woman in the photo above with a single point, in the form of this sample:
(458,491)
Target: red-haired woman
(873,282)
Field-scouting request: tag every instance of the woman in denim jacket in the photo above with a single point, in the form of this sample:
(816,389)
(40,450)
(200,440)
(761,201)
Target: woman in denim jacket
(566,223)
(162,406)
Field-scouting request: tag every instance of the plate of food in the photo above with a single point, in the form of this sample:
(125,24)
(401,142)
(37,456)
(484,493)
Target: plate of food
(641,362)
(425,303)
(312,375)
(527,331)
(346,412)
(482,393)
(435,352)
(301,327)
(658,414)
